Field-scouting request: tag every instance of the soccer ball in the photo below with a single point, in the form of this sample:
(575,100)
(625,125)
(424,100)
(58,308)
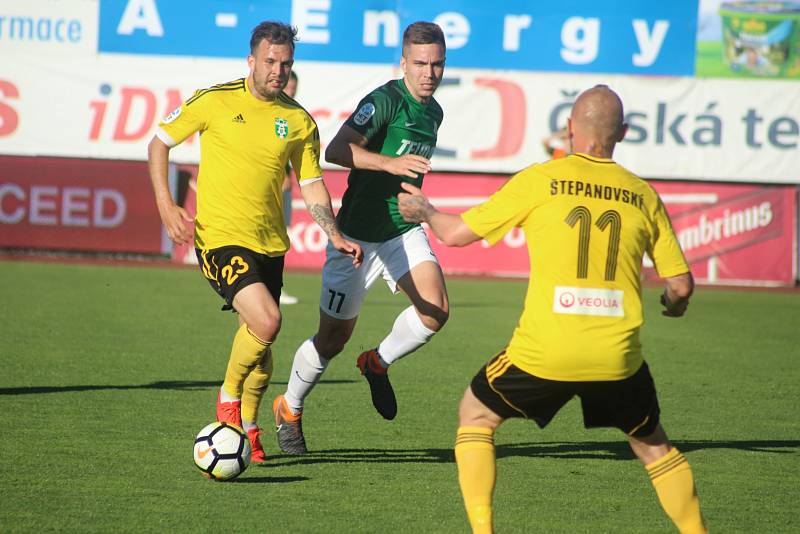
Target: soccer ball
(221,451)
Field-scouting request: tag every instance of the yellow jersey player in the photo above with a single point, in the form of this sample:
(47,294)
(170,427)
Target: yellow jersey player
(588,222)
(290,90)
(249,131)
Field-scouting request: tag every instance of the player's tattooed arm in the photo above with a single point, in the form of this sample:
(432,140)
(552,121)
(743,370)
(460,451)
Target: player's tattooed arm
(318,202)
(323,216)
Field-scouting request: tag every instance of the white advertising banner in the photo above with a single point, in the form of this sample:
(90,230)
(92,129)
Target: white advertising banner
(108,106)
(54,29)
(59,96)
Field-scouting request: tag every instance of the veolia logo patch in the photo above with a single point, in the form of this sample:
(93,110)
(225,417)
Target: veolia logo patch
(588,301)
(566,299)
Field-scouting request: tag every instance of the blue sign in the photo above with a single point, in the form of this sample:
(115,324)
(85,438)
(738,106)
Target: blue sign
(611,36)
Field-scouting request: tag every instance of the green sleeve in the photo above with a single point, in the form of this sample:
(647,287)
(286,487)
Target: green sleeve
(372,114)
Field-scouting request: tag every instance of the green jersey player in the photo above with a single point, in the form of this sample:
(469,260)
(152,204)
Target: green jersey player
(388,140)
(394,124)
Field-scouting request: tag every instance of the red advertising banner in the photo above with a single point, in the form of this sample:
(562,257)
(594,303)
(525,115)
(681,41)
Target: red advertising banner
(735,234)
(731,234)
(450,192)
(78,205)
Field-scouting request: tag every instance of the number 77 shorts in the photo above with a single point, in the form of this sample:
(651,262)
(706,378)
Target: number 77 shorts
(344,287)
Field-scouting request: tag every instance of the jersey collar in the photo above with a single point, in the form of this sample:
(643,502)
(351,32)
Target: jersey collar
(592,158)
(408,96)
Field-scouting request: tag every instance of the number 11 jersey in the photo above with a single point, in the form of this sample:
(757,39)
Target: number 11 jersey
(587,222)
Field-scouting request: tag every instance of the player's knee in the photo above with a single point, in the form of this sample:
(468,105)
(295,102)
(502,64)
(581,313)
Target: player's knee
(442,317)
(434,317)
(472,412)
(331,344)
(465,411)
(651,447)
(267,326)
(648,454)
(475,419)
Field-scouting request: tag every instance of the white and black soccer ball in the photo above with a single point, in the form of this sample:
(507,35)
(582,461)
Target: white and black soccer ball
(221,451)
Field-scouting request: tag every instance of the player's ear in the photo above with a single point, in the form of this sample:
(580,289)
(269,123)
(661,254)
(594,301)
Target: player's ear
(251,61)
(403,63)
(622,132)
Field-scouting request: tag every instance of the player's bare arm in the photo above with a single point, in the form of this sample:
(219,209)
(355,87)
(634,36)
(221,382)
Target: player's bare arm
(172,216)
(675,298)
(450,228)
(318,203)
(347,149)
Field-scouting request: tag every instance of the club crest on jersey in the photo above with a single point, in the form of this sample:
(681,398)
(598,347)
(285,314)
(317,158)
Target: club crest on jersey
(281,128)
(364,114)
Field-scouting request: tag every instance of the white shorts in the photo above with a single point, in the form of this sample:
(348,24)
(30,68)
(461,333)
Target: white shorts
(344,287)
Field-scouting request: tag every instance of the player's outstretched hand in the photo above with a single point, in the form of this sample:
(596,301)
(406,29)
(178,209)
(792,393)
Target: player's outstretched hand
(676,309)
(413,204)
(349,248)
(175,218)
(411,165)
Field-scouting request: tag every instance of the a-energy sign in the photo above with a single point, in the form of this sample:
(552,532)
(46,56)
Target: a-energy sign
(633,37)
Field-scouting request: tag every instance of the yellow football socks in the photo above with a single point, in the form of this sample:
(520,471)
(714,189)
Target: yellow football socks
(255,385)
(246,353)
(476,474)
(672,478)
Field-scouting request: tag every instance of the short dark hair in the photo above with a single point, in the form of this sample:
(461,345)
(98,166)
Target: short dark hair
(273,32)
(423,33)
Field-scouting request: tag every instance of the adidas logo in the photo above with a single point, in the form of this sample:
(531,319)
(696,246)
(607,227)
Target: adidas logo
(238,118)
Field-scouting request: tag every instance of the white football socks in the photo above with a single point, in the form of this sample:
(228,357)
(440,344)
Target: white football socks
(307,369)
(407,335)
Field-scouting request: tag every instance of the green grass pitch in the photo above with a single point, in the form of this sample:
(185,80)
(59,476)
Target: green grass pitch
(109,371)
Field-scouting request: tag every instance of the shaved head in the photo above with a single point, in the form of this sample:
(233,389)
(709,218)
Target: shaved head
(597,118)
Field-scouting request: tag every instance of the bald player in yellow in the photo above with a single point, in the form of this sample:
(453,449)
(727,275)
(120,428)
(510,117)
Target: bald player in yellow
(249,130)
(588,223)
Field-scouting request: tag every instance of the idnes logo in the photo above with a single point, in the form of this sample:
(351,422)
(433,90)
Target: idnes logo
(131,113)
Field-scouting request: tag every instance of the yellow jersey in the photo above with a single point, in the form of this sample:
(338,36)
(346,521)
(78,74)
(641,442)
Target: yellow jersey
(587,222)
(245,145)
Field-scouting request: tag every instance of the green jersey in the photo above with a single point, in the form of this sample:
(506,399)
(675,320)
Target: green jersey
(394,124)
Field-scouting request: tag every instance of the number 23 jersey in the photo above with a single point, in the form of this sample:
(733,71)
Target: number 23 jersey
(246,144)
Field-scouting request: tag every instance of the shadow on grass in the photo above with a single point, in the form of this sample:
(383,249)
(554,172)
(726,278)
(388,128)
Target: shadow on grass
(266,480)
(610,450)
(345,456)
(186,385)
(585,450)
